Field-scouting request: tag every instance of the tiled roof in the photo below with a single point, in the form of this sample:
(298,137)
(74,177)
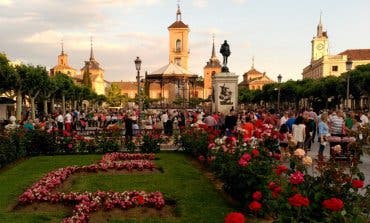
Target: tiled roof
(357,54)
(171,69)
(127,85)
(253,71)
(178,24)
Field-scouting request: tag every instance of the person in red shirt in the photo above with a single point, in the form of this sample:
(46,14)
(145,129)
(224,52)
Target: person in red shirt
(248,128)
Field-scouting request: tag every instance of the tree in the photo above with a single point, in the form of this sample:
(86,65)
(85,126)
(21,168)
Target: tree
(64,85)
(86,79)
(114,96)
(35,79)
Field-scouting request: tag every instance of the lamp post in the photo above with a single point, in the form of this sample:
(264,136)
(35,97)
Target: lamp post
(348,68)
(138,67)
(279,77)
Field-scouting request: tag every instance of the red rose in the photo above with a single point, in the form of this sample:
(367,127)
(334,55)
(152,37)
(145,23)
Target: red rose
(257,195)
(296,177)
(140,199)
(235,217)
(255,206)
(333,204)
(298,201)
(357,183)
(255,152)
(277,156)
(201,158)
(281,169)
(278,189)
(243,162)
(246,157)
(272,185)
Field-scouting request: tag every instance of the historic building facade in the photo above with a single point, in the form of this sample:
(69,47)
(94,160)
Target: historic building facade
(254,79)
(91,67)
(63,66)
(212,67)
(323,64)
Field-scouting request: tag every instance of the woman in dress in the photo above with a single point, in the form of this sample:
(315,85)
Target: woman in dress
(323,133)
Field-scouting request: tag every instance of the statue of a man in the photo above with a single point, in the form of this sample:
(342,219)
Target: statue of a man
(225,51)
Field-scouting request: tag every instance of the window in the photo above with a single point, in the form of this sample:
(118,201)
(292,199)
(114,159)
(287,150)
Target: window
(178,45)
(334,68)
(178,61)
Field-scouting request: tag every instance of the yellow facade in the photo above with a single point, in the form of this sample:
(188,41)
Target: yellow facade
(96,74)
(63,66)
(323,65)
(254,80)
(179,42)
(212,67)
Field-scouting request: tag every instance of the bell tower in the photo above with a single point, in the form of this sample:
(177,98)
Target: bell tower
(212,67)
(179,41)
(320,43)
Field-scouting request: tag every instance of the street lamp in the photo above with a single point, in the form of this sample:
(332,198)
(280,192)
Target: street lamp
(348,68)
(138,67)
(279,77)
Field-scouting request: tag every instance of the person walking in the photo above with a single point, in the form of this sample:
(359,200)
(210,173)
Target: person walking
(323,134)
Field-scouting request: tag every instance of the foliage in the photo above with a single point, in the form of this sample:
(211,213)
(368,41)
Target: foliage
(114,96)
(320,93)
(150,141)
(86,79)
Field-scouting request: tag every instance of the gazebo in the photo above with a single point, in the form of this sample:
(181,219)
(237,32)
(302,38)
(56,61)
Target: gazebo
(171,82)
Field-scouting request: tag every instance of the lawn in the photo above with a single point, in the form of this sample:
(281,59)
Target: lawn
(196,198)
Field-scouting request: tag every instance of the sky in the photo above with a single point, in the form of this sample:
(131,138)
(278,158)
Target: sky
(277,33)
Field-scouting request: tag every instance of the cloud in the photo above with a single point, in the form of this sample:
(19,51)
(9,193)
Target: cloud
(6,2)
(200,3)
(239,1)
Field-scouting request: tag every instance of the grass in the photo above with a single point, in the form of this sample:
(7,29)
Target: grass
(197,200)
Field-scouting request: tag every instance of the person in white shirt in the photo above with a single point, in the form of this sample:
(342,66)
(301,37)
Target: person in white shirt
(60,122)
(364,119)
(299,131)
(68,121)
(284,118)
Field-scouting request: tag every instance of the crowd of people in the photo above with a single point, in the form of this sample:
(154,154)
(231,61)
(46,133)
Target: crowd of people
(303,126)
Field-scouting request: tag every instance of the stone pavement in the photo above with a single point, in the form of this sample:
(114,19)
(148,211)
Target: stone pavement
(364,166)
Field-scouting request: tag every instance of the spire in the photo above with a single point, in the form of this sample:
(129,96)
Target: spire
(62,47)
(213,56)
(91,50)
(178,13)
(252,63)
(319,27)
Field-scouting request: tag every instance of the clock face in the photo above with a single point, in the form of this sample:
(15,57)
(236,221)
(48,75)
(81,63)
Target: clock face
(320,46)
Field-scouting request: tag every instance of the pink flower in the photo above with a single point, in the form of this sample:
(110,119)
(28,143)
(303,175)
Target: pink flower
(201,158)
(246,157)
(296,177)
(243,163)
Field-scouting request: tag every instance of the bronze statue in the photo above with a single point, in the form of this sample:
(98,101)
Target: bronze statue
(225,51)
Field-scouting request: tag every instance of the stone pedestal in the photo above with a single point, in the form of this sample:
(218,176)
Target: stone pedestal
(225,92)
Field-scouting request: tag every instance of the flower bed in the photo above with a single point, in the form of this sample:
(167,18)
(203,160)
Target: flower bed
(254,172)
(84,203)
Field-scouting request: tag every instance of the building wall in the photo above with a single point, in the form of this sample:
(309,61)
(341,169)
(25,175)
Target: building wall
(181,34)
(208,72)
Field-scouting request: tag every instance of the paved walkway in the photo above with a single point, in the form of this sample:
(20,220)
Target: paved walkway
(364,167)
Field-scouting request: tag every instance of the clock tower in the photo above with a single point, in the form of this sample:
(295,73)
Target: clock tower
(320,43)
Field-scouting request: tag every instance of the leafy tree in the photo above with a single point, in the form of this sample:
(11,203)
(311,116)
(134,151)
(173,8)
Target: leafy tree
(86,79)
(64,85)
(114,96)
(35,79)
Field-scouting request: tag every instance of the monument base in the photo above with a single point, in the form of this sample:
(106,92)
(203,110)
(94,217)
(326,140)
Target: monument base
(225,92)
